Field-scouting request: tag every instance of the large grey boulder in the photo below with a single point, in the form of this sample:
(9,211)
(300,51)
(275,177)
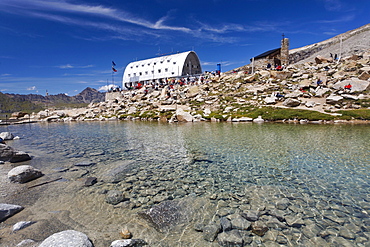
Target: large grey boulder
(291,102)
(8,153)
(23,174)
(183,116)
(357,85)
(8,210)
(68,238)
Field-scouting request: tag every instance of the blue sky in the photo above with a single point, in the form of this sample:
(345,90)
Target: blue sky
(64,46)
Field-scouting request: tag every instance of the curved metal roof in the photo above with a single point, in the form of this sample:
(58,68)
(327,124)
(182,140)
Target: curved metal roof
(162,67)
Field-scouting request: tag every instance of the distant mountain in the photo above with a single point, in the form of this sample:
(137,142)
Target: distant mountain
(35,102)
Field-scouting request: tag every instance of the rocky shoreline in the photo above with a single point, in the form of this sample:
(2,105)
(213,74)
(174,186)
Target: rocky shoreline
(235,96)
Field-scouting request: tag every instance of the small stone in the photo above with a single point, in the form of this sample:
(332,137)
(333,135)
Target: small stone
(250,215)
(230,238)
(90,181)
(85,163)
(282,204)
(114,197)
(128,243)
(259,228)
(210,232)
(126,234)
(22,224)
(225,224)
(240,223)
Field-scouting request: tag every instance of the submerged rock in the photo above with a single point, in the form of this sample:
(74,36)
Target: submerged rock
(8,210)
(22,224)
(8,153)
(167,215)
(118,172)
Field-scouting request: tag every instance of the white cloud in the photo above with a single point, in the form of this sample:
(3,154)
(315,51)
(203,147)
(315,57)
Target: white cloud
(31,88)
(107,87)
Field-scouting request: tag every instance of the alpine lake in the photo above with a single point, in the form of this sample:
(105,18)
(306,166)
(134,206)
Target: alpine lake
(313,178)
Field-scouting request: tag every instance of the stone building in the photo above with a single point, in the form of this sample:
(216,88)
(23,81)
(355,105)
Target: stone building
(275,57)
(154,69)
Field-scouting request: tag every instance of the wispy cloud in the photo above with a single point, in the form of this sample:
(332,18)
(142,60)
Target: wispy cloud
(344,18)
(33,88)
(122,24)
(69,66)
(333,5)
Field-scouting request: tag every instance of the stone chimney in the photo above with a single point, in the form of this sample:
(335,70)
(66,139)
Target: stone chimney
(284,51)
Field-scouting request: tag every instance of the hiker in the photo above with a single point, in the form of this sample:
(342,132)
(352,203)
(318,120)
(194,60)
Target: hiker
(348,87)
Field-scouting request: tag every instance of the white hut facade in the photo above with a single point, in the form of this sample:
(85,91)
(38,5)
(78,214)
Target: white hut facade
(154,69)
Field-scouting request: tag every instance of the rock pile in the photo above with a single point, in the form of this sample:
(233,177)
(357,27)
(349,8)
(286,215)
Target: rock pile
(319,86)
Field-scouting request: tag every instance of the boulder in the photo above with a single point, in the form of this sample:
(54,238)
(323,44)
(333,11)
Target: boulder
(68,238)
(334,99)
(8,210)
(23,174)
(6,136)
(281,75)
(357,85)
(258,120)
(183,116)
(291,102)
(7,153)
(321,59)
(270,100)
(192,92)
(19,156)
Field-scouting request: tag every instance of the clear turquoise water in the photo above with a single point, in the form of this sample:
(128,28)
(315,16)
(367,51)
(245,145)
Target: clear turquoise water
(329,163)
(330,160)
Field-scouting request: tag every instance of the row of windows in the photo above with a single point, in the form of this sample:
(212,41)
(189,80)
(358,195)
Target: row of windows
(137,66)
(146,72)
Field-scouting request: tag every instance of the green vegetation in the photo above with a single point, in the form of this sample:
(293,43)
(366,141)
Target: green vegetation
(9,105)
(361,114)
(274,114)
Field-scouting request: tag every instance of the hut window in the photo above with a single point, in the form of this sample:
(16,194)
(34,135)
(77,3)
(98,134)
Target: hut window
(159,71)
(174,62)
